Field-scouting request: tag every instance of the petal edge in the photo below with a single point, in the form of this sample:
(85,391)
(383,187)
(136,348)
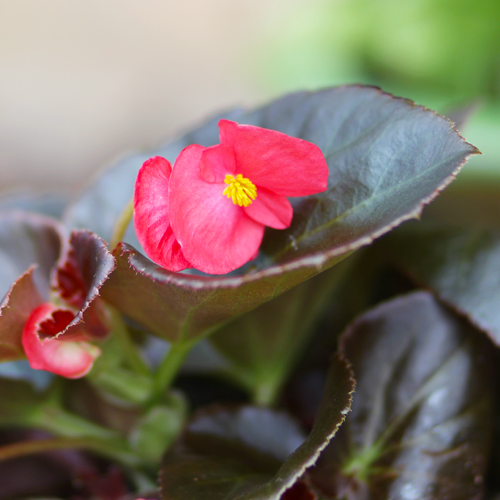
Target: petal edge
(271,209)
(152,218)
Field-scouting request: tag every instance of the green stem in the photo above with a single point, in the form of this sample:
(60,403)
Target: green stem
(39,446)
(130,349)
(122,224)
(143,482)
(74,431)
(266,393)
(124,384)
(169,367)
(62,423)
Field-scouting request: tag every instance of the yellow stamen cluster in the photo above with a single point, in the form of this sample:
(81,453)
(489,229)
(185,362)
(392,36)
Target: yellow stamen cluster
(240,189)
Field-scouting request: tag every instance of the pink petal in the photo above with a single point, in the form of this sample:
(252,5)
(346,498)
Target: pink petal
(276,161)
(215,235)
(67,358)
(216,162)
(270,209)
(151,215)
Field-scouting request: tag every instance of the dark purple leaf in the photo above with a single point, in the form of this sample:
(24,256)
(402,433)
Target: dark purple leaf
(300,491)
(29,247)
(65,473)
(27,239)
(461,266)
(78,278)
(251,453)
(421,420)
(15,310)
(184,307)
(387,158)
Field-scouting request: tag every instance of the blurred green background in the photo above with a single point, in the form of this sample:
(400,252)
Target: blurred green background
(84,82)
(444,54)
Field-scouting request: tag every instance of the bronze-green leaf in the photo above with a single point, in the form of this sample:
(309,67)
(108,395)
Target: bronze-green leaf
(251,453)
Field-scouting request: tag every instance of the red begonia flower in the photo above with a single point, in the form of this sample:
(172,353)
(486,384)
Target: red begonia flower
(151,215)
(210,210)
(69,358)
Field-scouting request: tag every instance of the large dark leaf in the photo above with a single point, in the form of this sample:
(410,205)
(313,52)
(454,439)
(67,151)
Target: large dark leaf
(182,307)
(461,266)
(251,453)
(458,253)
(387,158)
(421,420)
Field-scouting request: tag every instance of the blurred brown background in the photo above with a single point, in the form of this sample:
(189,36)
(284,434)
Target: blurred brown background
(85,82)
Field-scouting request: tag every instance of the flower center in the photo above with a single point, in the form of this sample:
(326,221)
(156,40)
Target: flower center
(240,189)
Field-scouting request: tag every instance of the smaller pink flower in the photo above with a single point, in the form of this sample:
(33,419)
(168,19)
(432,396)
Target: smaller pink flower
(209,212)
(70,358)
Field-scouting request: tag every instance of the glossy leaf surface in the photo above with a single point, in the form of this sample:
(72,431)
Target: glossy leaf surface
(421,420)
(251,453)
(386,156)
